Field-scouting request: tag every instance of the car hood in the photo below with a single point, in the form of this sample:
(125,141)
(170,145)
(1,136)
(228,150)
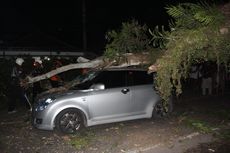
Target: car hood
(57,94)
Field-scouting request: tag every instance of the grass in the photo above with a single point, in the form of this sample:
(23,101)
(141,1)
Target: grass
(199,125)
(87,137)
(207,120)
(225,134)
(82,139)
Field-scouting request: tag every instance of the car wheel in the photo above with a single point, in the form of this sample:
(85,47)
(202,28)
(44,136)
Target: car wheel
(160,111)
(69,121)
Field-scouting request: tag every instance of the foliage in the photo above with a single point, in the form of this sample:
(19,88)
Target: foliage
(132,38)
(194,37)
(190,16)
(159,37)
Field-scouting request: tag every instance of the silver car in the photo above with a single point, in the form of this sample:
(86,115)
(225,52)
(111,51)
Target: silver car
(99,97)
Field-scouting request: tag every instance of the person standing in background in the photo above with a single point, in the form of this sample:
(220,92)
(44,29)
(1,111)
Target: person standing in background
(206,83)
(16,91)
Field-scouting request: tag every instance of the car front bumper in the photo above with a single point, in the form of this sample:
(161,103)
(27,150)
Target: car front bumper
(40,120)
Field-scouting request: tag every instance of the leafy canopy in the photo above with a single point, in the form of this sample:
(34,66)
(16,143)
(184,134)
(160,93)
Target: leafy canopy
(132,38)
(194,36)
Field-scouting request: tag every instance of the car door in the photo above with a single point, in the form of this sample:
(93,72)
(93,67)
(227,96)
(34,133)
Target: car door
(112,103)
(143,94)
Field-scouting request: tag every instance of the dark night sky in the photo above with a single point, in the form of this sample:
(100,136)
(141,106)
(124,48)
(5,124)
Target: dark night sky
(63,19)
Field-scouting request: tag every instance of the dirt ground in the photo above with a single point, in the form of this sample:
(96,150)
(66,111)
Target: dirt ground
(197,125)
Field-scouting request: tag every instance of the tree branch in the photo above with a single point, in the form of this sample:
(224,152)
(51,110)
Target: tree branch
(128,60)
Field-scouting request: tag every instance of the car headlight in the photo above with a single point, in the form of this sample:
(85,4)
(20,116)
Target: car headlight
(43,103)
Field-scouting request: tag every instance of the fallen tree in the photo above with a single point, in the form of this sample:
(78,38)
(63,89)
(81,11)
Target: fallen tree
(126,60)
(200,33)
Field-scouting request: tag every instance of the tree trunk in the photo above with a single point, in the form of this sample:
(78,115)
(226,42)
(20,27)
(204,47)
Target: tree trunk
(100,62)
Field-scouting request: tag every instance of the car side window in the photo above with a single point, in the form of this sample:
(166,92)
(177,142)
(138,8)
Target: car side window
(139,78)
(112,79)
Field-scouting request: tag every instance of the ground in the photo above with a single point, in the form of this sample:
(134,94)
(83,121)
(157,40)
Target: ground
(199,124)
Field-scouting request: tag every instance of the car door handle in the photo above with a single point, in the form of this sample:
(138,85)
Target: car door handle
(125,91)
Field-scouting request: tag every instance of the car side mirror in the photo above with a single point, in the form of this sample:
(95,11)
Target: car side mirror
(98,86)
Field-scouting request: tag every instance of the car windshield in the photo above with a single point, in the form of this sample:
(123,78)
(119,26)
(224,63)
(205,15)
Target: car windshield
(80,79)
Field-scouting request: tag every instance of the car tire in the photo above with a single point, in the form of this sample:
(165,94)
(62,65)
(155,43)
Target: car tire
(159,111)
(69,121)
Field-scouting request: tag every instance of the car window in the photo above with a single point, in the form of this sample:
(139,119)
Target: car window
(112,79)
(139,78)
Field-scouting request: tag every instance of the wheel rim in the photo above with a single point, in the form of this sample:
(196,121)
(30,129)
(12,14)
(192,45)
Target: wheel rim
(70,122)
